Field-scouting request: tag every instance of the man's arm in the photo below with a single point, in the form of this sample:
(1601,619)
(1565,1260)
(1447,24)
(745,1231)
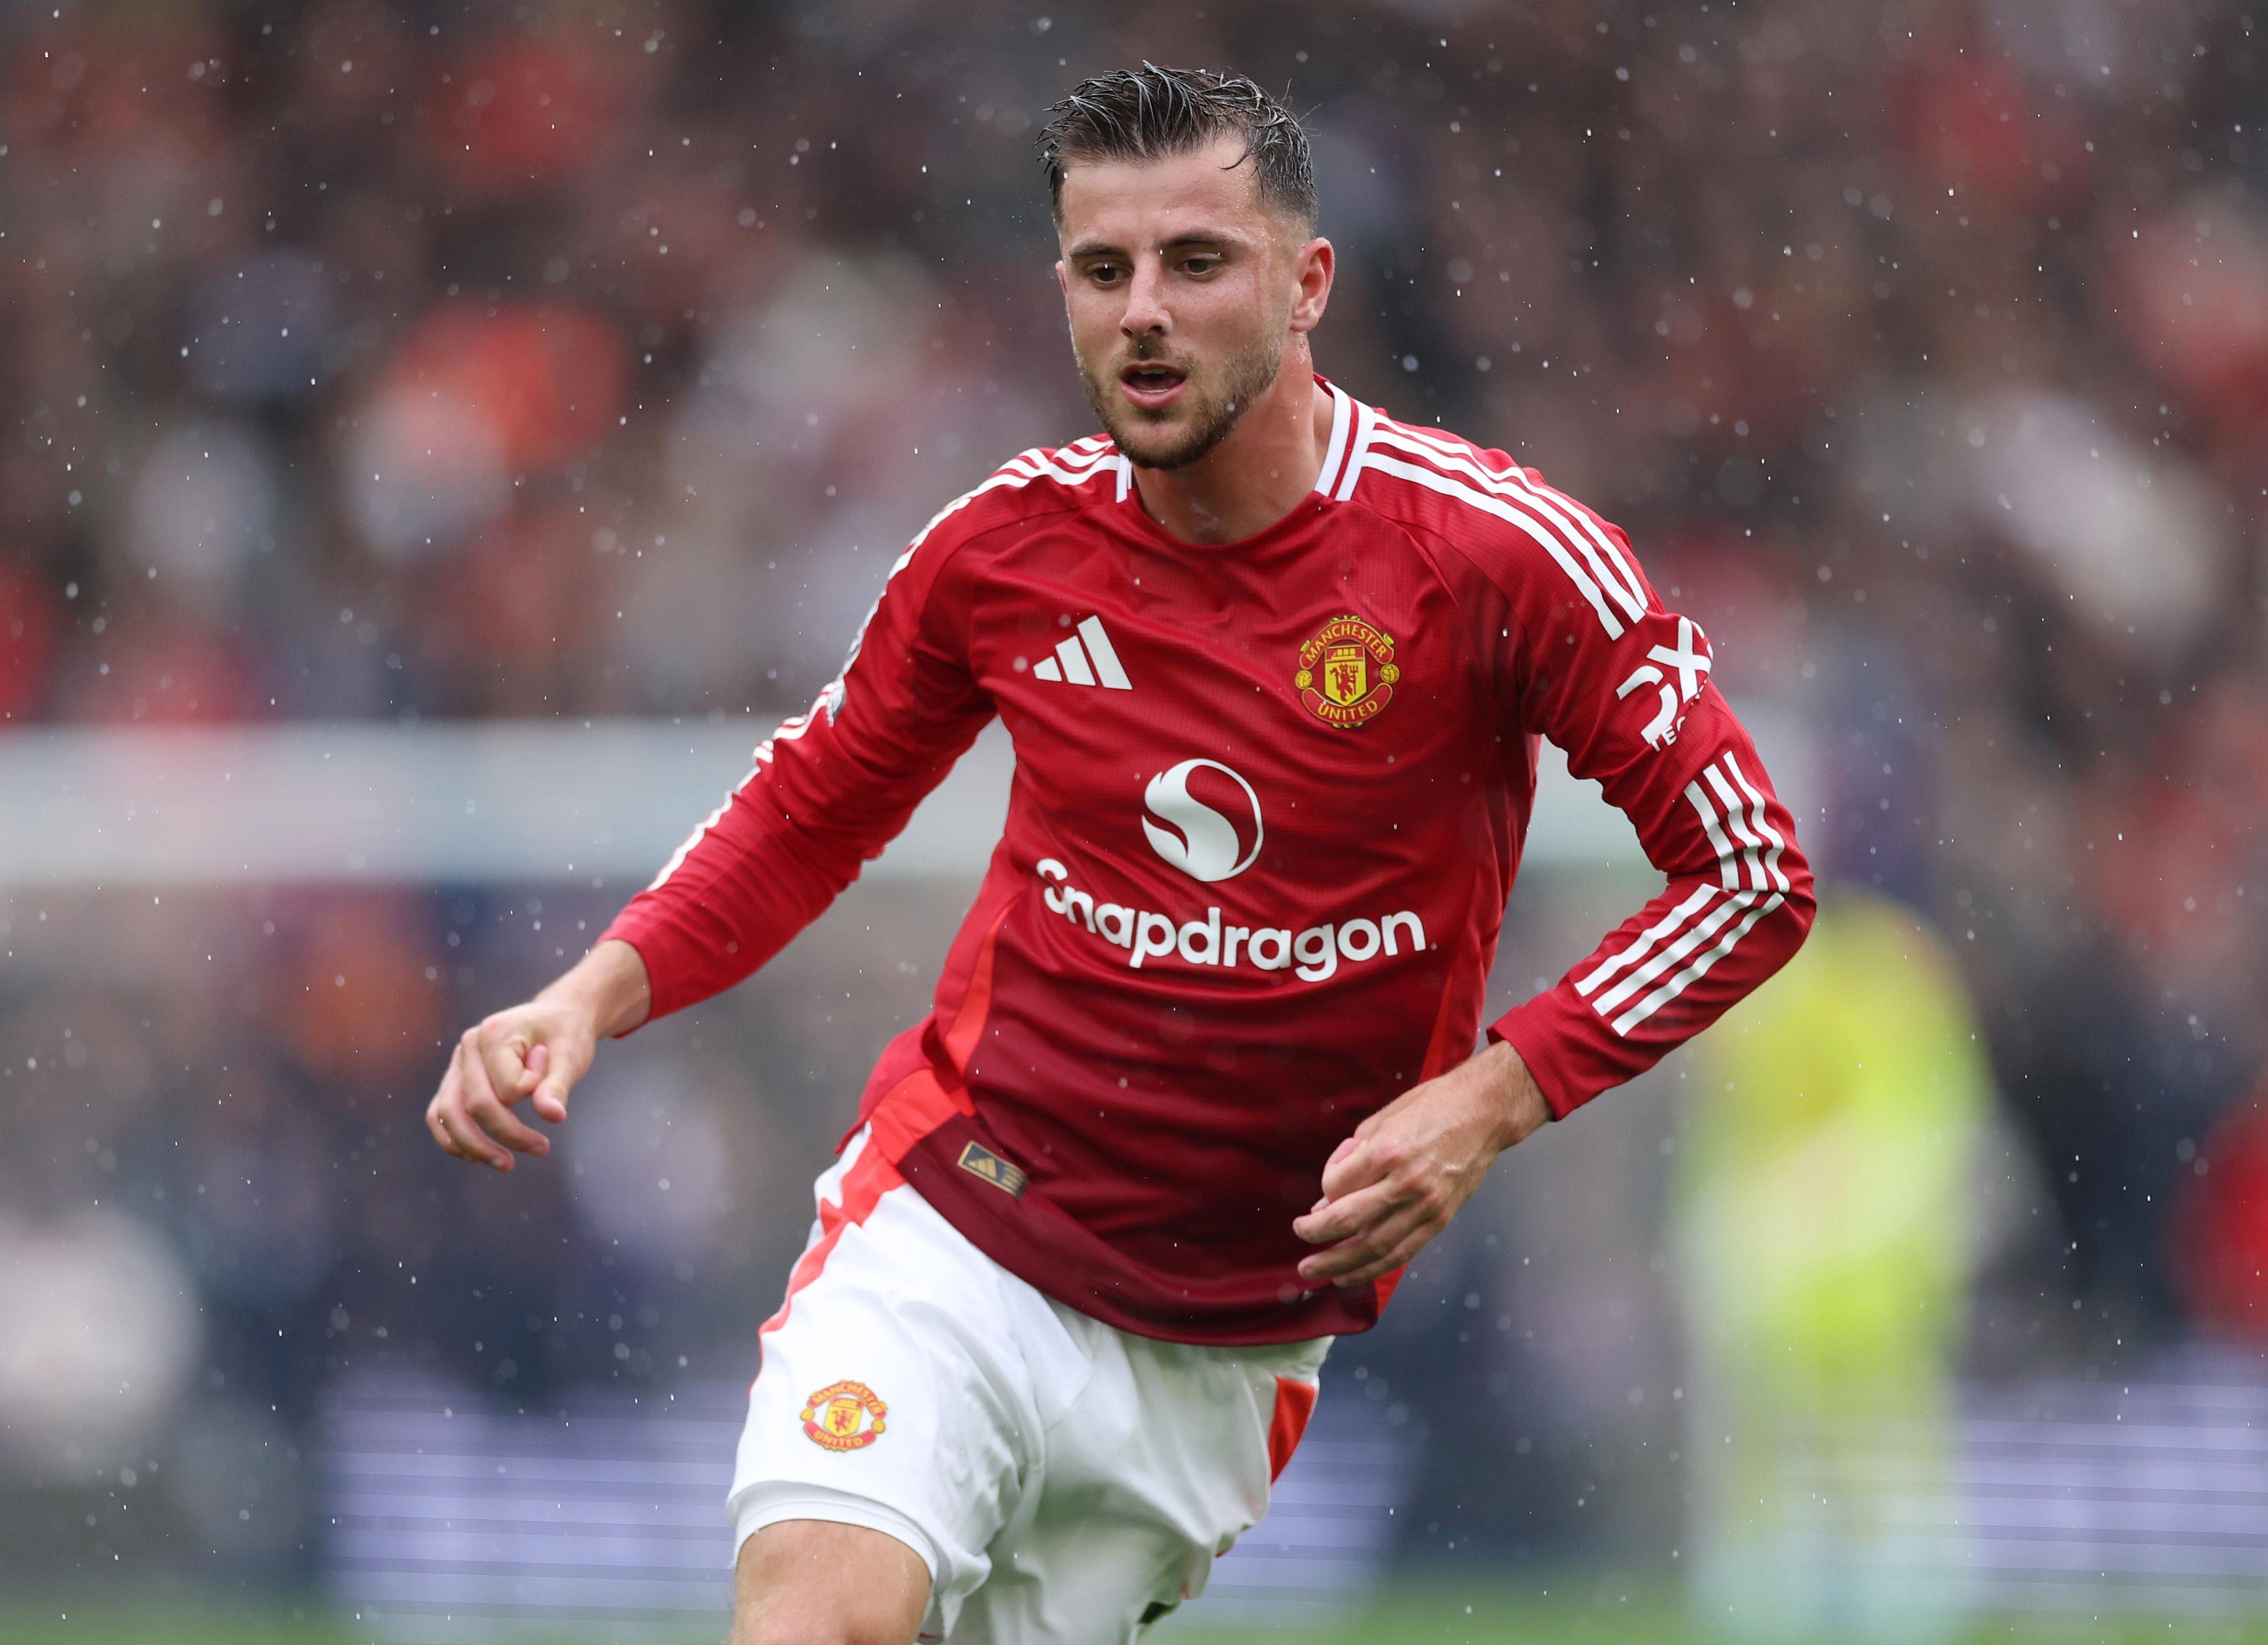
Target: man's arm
(831,788)
(1626,690)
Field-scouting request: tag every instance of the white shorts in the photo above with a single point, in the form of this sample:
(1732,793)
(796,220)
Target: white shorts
(1064,1481)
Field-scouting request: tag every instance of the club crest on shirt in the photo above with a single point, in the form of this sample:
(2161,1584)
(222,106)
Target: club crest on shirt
(836,1417)
(1347,672)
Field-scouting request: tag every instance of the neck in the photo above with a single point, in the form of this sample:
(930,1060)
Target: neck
(1259,474)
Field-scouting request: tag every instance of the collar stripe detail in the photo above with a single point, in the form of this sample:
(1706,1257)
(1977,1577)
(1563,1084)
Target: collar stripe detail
(1551,543)
(1578,523)
(1342,415)
(1367,420)
(1019,470)
(1603,579)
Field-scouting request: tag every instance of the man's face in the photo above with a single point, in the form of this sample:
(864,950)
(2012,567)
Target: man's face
(1180,287)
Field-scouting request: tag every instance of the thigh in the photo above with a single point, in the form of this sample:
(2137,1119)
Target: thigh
(801,1580)
(1165,1459)
(886,1400)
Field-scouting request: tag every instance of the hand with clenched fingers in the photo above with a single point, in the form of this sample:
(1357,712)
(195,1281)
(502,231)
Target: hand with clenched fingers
(1409,1168)
(535,1052)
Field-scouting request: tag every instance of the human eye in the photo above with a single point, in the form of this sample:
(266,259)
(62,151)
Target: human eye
(1105,273)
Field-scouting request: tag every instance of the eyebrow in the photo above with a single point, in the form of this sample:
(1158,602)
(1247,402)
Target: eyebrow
(1180,242)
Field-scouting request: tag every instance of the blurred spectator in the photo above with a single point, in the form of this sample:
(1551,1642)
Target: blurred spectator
(2220,1226)
(28,625)
(1825,1218)
(103,1334)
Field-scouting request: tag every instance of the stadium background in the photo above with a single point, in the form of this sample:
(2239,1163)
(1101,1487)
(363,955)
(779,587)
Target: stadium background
(390,369)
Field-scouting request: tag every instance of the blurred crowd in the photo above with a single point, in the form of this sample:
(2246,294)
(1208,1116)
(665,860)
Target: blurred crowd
(596,356)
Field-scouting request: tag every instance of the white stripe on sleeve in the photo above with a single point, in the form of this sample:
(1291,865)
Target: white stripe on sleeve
(1643,946)
(1677,985)
(1702,930)
(1757,821)
(1728,861)
(1736,818)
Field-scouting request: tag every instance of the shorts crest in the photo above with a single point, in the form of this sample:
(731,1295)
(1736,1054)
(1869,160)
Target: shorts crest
(836,1417)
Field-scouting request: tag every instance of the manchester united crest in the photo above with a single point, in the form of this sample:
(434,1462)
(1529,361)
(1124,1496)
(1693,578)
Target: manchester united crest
(836,1418)
(1347,672)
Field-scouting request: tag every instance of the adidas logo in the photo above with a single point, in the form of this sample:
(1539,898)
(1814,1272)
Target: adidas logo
(1070,661)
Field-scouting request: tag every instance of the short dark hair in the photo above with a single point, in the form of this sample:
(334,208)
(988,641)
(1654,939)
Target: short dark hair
(1151,112)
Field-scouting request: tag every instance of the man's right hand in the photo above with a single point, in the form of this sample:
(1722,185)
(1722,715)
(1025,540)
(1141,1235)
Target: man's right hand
(535,1052)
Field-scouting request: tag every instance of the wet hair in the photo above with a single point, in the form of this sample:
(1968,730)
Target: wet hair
(1150,113)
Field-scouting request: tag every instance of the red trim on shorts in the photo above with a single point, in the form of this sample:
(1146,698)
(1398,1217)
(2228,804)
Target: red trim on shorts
(870,1176)
(1295,1402)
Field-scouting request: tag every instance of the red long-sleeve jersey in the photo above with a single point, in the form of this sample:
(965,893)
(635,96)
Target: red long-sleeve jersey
(1269,802)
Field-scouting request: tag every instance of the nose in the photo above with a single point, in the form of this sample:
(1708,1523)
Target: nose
(1146,314)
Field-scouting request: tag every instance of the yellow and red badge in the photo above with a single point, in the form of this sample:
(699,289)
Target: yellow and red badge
(835,1417)
(1347,672)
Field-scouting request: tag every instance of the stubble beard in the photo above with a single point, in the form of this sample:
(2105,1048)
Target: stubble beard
(1148,441)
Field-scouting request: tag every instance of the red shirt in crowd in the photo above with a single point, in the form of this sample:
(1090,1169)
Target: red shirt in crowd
(1269,802)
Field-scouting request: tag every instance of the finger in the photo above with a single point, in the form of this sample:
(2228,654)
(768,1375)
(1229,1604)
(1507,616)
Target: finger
(558,1067)
(471,1143)
(440,1131)
(1401,1256)
(1348,1255)
(443,1094)
(443,1099)
(472,1088)
(542,1100)
(502,1049)
(497,1120)
(1342,1218)
(1357,1162)
(1375,1250)
(1390,1220)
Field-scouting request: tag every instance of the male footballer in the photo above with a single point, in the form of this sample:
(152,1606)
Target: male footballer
(1198,1081)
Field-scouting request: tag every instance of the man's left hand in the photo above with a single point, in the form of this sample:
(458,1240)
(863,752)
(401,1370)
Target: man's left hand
(1410,1167)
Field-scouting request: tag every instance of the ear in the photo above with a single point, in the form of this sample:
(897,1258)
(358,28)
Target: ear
(1062,283)
(1313,266)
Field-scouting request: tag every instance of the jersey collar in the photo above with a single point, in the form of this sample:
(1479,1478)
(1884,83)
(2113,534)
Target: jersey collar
(1351,425)
(1342,417)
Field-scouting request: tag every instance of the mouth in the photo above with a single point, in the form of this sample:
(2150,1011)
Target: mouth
(1151,385)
